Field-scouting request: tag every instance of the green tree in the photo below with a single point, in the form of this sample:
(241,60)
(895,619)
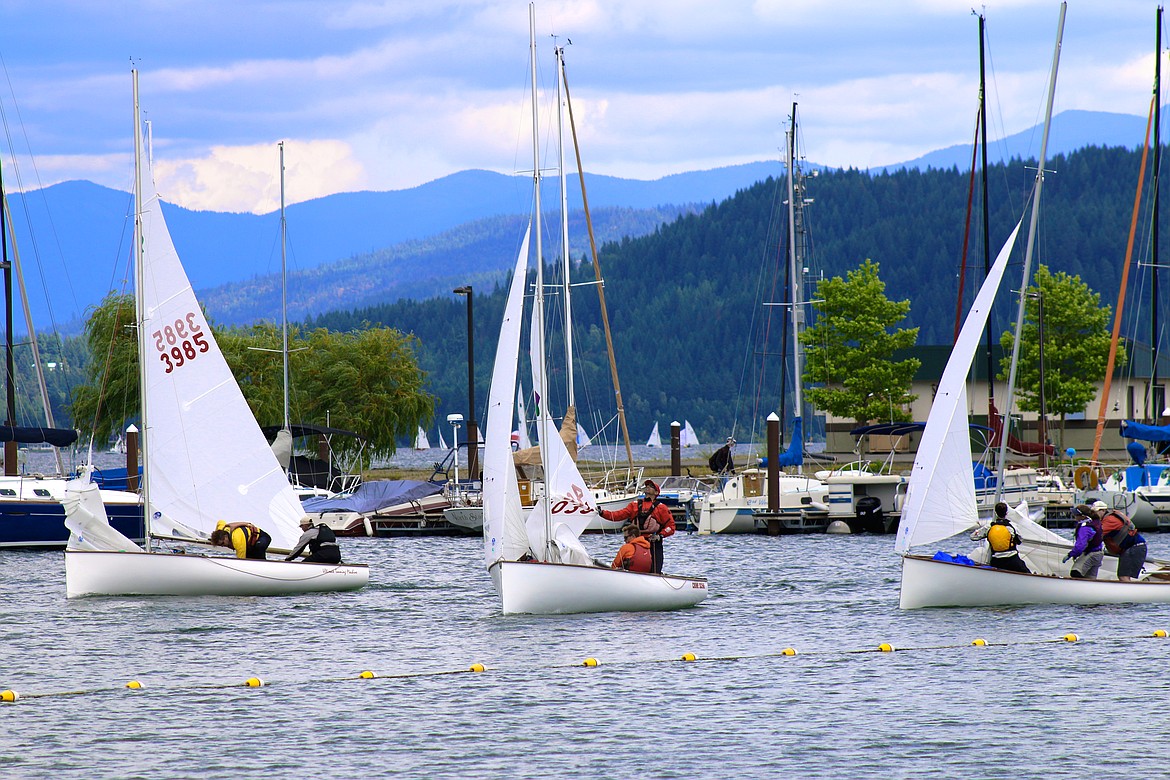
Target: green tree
(367,381)
(1076,344)
(849,364)
(107,401)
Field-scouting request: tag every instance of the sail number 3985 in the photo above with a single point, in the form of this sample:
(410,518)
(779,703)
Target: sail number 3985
(180,343)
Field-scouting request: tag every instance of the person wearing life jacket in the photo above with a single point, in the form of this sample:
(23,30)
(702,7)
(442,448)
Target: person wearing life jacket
(634,555)
(1004,540)
(246,539)
(1086,553)
(653,518)
(320,540)
(1122,539)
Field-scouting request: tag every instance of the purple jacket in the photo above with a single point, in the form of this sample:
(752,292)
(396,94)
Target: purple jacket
(1088,538)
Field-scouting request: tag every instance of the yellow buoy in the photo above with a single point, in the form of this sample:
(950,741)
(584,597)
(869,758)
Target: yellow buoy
(788,651)
(134,685)
(687,657)
(1160,632)
(886,647)
(367,675)
(979,643)
(1070,637)
(589,662)
(9,695)
(477,668)
(254,682)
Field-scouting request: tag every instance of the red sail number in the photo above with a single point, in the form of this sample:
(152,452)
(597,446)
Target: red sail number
(181,342)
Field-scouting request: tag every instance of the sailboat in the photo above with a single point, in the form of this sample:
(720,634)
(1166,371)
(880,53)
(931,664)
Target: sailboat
(689,438)
(655,439)
(420,440)
(940,497)
(205,456)
(538,565)
(802,500)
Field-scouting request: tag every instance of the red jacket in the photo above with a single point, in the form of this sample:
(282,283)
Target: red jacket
(659,516)
(637,553)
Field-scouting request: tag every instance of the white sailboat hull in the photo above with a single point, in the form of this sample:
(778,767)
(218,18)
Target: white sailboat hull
(561,588)
(930,583)
(101,573)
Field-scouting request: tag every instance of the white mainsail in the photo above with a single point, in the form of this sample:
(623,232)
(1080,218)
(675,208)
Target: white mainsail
(442,441)
(504,535)
(583,439)
(207,459)
(420,440)
(940,493)
(655,439)
(689,439)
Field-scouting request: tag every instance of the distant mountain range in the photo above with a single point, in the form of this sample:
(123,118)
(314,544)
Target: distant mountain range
(356,249)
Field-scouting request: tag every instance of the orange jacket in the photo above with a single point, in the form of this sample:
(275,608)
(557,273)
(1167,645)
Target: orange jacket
(636,552)
(659,516)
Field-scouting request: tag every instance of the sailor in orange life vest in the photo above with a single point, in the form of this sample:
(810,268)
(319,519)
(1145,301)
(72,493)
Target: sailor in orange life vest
(1003,539)
(653,518)
(246,539)
(635,553)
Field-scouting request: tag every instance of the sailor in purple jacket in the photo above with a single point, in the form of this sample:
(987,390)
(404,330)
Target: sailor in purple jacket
(1086,553)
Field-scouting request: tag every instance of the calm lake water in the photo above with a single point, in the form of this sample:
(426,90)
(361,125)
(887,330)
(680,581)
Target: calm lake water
(938,707)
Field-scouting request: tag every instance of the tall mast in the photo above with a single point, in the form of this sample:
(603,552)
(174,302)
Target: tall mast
(564,224)
(986,229)
(1003,439)
(538,319)
(283,291)
(613,372)
(1155,336)
(796,276)
(10,447)
(139,309)
(1117,314)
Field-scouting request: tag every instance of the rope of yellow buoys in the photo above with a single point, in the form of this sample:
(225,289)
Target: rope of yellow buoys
(11,696)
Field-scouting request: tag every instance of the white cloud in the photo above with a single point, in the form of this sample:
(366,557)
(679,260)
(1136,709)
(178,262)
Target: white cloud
(247,178)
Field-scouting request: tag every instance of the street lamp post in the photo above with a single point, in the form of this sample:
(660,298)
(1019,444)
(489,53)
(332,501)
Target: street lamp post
(472,427)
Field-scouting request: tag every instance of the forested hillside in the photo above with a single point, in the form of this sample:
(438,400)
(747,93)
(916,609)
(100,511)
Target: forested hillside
(687,302)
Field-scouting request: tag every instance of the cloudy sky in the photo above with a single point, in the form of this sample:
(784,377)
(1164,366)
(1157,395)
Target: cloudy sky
(389,94)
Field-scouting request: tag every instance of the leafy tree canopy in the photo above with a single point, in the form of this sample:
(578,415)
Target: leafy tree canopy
(1076,344)
(850,346)
(366,381)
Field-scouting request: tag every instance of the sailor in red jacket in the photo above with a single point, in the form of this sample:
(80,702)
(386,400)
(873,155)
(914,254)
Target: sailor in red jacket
(635,553)
(652,516)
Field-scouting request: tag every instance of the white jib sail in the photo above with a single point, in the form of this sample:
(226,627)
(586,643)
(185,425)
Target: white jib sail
(207,459)
(940,493)
(504,535)
(567,506)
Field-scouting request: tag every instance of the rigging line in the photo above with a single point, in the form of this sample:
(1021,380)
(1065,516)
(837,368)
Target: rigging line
(1121,291)
(966,231)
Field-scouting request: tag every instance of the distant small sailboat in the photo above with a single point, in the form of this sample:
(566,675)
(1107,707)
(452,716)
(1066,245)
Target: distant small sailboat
(442,441)
(583,439)
(655,439)
(688,437)
(420,440)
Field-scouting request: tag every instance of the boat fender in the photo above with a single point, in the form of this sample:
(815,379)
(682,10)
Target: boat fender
(1085,478)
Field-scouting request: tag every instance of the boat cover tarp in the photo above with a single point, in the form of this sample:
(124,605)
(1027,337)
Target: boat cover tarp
(794,455)
(1137,430)
(371,496)
(58,437)
(302,430)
